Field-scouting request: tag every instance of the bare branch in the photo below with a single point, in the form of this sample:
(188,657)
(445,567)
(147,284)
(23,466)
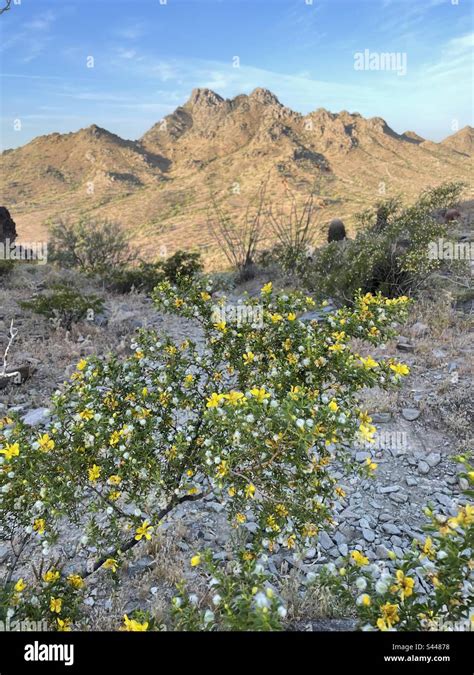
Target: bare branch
(13,334)
(7,6)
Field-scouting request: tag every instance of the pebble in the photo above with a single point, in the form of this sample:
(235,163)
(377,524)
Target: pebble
(325,541)
(410,414)
(388,489)
(36,416)
(390,528)
(368,535)
(411,481)
(433,459)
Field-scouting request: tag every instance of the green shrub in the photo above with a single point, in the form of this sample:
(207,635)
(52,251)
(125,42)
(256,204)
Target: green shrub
(95,247)
(390,253)
(64,305)
(259,415)
(179,268)
(6,267)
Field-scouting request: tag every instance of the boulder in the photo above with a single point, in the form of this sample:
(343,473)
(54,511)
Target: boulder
(7,226)
(336,231)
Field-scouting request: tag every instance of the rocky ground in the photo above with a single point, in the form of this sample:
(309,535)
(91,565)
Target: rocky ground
(420,428)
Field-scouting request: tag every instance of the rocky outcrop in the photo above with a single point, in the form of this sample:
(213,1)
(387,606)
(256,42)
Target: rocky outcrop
(7,226)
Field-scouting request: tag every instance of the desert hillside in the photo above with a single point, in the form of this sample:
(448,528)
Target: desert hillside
(158,187)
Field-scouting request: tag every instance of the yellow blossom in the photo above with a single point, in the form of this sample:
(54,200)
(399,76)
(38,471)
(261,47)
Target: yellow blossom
(111,564)
(195,560)
(267,289)
(389,617)
(144,530)
(332,405)
(369,363)
(55,605)
(20,586)
(250,491)
(86,414)
(400,368)
(214,400)
(46,443)
(234,397)
(133,626)
(51,576)
(39,525)
(94,473)
(260,394)
(64,625)
(291,316)
(81,365)
(10,450)
(76,580)
(359,558)
(248,358)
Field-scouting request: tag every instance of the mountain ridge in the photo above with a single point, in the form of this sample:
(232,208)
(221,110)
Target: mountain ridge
(158,186)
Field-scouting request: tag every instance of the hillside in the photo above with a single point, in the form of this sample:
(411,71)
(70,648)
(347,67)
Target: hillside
(158,186)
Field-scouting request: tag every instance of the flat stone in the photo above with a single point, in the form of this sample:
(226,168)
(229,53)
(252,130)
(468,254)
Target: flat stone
(410,414)
(398,498)
(381,552)
(388,489)
(343,549)
(36,416)
(405,347)
(325,540)
(381,417)
(362,456)
(411,481)
(423,467)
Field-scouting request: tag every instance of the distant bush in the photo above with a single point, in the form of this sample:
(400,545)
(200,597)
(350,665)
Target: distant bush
(92,246)
(178,268)
(389,253)
(6,267)
(64,305)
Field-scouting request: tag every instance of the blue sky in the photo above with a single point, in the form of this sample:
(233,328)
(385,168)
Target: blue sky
(149,55)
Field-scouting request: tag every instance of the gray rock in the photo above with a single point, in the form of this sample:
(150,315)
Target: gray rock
(410,414)
(423,467)
(381,417)
(411,481)
(343,549)
(388,489)
(398,498)
(390,528)
(325,540)
(405,346)
(36,416)
(381,552)
(368,535)
(433,459)
(362,456)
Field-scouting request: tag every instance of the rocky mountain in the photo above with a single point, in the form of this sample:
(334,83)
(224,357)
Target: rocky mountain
(158,187)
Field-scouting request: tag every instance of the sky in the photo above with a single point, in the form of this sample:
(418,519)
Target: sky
(125,64)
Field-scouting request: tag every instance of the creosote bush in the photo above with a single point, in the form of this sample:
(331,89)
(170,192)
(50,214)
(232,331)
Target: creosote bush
(260,415)
(94,247)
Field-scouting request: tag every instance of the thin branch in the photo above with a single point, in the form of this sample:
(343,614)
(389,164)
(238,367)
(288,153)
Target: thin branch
(7,6)
(13,334)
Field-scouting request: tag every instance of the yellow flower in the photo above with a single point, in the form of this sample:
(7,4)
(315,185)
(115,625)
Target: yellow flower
(276,318)
(231,491)
(359,558)
(214,400)
(291,316)
(51,576)
(365,418)
(369,363)
(189,378)
(205,296)
(404,585)
(333,407)
(222,469)
(81,365)
(336,348)
(428,549)
(240,518)
(389,616)
(281,510)
(234,397)
(295,393)
(114,480)
(10,450)
(76,580)
(372,466)
(139,354)
(195,560)
(267,289)
(291,541)
(55,605)
(39,525)
(86,414)
(400,368)
(248,358)
(46,443)
(134,626)
(94,473)
(367,431)
(250,491)
(221,326)
(20,586)
(260,394)
(64,625)
(114,438)
(365,600)
(111,564)
(144,530)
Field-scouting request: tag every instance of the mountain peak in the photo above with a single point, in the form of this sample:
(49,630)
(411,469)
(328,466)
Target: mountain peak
(204,98)
(264,96)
